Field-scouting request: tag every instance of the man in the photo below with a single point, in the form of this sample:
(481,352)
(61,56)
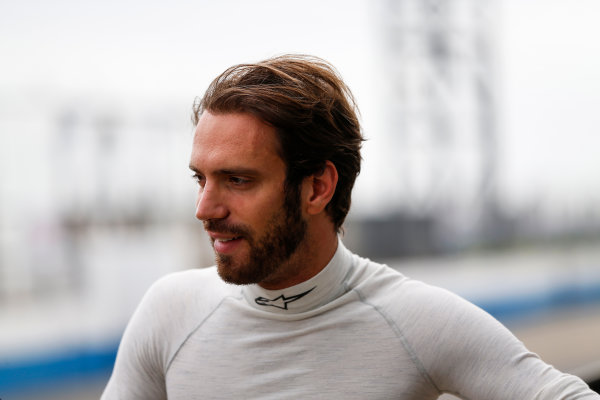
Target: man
(289,312)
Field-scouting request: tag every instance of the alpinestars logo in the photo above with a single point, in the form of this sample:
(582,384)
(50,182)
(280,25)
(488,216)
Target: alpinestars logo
(281,301)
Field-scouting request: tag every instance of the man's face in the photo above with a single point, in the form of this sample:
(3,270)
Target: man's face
(255,226)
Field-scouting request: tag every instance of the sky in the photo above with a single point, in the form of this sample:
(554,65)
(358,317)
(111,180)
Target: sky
(138,52)
(550,74)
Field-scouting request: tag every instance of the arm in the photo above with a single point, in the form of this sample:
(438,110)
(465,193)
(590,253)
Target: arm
(139,371)
(468,353)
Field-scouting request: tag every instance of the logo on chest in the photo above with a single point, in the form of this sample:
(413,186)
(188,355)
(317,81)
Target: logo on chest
(281,301)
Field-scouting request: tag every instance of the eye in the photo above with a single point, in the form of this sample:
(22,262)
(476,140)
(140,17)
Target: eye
(238,180)
(200,179)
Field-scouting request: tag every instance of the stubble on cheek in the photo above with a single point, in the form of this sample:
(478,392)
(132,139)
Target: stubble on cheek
(267,256)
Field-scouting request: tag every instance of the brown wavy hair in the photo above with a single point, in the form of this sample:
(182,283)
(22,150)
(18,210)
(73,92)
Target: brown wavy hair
(310,107)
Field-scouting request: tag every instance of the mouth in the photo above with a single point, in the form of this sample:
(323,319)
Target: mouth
(225,244)
(226,240)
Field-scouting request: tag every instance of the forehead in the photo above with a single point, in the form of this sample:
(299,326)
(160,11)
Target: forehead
(225,139)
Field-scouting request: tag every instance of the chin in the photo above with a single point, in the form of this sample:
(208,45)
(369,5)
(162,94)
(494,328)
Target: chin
(229,277)
(232,273)
(246,273)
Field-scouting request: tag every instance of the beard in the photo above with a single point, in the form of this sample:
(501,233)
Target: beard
(268,254)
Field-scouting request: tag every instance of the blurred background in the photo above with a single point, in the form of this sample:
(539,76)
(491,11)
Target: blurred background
(481,169)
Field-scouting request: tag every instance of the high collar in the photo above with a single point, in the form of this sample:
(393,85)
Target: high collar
(307,295)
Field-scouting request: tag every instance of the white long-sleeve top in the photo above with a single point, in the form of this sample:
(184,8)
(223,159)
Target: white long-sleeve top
(357,330)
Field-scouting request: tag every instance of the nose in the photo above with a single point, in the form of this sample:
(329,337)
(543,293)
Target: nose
(210,204)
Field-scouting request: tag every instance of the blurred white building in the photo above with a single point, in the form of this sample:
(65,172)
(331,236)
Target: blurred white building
(97,204)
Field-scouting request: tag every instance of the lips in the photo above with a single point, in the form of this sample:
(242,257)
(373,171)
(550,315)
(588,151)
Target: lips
(226,240)
(223,243)
(223,237)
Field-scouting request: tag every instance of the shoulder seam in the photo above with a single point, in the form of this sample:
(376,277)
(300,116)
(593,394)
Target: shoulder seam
(184,341)
(413,356)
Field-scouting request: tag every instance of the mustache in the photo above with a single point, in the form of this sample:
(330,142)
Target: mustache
(220,226)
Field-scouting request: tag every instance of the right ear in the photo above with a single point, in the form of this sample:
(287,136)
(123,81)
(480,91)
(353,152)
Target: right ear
(318,189)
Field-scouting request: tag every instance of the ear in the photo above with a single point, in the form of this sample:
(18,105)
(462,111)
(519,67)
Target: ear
(318,189)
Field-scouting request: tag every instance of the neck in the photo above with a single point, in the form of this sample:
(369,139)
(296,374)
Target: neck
(308,295)
(312,255)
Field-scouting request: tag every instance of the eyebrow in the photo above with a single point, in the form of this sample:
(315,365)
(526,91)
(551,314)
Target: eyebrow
(231,171)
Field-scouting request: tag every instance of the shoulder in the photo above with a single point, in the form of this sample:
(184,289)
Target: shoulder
(418,310)
(186,296)
(175,305)
(391,290)
(384,286)
(458,346)
(193,283)
(177,292)
(171,308)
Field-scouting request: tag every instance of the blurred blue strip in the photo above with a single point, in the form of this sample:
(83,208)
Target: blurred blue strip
(57,369)
(510,309)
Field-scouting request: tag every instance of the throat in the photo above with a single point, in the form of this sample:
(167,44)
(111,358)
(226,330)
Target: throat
(310,290)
